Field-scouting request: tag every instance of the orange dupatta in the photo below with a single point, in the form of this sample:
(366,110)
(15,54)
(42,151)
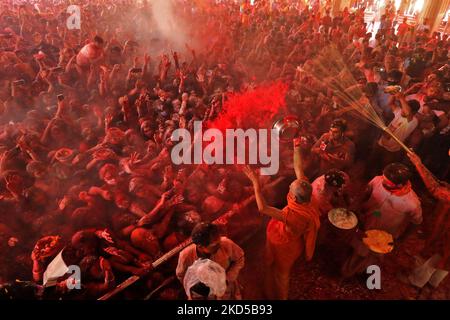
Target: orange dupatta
(309,213)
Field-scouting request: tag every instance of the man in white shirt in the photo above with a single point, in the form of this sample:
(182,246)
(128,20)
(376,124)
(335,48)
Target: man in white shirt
(387,149)
(391,206)
(392,203)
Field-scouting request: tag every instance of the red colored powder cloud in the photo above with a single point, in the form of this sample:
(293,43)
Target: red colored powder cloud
(252,109)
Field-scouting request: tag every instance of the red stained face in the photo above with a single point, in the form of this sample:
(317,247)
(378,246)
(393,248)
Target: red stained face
(212,248)
(147,130)
(110,174)
(388,184)
(14,183)
(57,133)
(122,201)
(144,192)
(336,133)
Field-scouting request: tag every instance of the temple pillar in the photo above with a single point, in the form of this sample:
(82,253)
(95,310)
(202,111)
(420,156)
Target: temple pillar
(434,11)
(339,5)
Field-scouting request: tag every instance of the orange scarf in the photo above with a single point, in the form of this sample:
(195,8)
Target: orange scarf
(312,216)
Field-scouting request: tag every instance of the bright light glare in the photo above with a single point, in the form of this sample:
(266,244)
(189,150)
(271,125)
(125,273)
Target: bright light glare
(418,6)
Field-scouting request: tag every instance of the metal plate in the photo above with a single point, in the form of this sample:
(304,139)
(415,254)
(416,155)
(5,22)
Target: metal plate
(288,128)
(342,218)
(379,241)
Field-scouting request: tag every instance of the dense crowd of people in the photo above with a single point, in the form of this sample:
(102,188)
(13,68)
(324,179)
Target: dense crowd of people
(86,118)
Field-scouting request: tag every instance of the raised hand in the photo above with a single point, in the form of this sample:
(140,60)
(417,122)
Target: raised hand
(123,101)
(108,120)
(166,61)
(134,158)
(251,174)
(222,187)
(107,195)
(177,199)
(117,253)
(98,111)
(104,234)
(136,62)
(146,58)
(166,195)
(325,110)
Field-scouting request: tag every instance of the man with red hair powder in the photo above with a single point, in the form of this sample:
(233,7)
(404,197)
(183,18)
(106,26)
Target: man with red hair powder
(390,205)
(290,232)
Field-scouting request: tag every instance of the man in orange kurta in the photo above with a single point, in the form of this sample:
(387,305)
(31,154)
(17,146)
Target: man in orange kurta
(290,232)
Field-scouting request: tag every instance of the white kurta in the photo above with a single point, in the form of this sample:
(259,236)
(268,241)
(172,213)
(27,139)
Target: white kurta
(390,212)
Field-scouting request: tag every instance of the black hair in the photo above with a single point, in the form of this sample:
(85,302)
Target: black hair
(339,123)
(98,39)
(201,289)
(335,178)
(84,237)
(18,290)
(414,105)
(204,233)
(398,173)
(396,75)
(116,49)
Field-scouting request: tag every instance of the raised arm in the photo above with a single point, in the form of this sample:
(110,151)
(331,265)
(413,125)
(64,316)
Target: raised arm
(404,105)
(438,190)
(263,207)
(298,161)
(155,214)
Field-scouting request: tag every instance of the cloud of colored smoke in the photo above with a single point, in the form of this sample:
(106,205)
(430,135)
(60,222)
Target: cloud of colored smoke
(252,109)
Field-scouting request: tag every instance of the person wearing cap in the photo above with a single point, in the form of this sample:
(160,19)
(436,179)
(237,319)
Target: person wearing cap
(334,149)
(390,205)
(209,244)
(291,232)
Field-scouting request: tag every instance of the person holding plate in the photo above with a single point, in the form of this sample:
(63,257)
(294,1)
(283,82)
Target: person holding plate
(390,205)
